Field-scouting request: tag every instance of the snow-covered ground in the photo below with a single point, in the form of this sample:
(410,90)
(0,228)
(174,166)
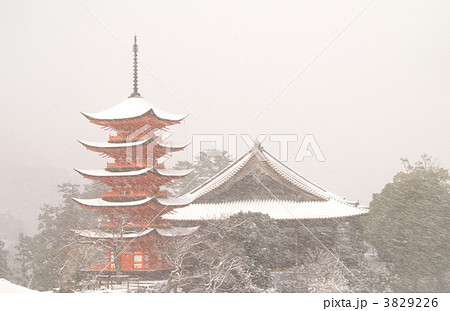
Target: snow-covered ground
(8,287)
(144,286)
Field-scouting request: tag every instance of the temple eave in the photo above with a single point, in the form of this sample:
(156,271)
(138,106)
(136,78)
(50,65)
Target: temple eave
(276,209)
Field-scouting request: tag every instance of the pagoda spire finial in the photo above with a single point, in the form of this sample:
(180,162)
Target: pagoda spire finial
(135,70)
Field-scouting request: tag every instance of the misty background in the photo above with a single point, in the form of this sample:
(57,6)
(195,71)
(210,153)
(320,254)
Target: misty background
(373,84)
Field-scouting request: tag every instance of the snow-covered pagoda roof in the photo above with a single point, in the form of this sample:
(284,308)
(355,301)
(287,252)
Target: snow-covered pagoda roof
(131,144)
(258,182)
(133,108)
(141,172)
(163,231)
(102,203)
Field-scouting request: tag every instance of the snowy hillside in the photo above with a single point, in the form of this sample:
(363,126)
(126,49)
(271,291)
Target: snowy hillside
(8,287)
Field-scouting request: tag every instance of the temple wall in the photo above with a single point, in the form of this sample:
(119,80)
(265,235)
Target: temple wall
(342,236)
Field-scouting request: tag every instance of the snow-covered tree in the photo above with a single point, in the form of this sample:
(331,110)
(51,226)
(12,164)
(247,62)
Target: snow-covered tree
(207,262)
(52,257)
(409,225)
(232,255)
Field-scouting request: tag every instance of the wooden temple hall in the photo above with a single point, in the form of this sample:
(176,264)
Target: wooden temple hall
(139,217)
(258,182)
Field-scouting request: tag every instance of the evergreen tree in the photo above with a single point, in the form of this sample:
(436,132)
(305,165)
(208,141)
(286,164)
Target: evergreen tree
(205,168)
(24,259)
(53,257)
(409,225)
(265,244)
(5,272)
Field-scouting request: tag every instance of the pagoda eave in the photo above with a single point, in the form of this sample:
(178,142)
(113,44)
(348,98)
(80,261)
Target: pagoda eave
(147,202)
(164,232)
(101,174)
(132,144)
(132,109)
(150,179)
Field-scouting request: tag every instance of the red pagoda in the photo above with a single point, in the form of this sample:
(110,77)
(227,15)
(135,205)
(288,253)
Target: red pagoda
(132,228)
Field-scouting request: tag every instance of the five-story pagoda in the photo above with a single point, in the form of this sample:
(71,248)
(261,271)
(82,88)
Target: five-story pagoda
(133,229)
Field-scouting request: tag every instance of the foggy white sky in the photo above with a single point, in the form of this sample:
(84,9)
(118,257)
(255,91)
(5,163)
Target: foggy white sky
(379,92)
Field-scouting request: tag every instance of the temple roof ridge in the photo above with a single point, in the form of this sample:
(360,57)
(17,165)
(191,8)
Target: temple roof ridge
(295,177)
(220,177)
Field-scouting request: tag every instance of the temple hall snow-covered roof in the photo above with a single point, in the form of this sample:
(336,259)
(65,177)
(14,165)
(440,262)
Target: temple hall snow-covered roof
(258,182)
(263,156)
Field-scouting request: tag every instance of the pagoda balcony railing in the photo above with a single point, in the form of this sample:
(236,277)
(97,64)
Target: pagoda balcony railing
(129,165)
(122,165)
(117,138)
(122,138)
(126,193)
